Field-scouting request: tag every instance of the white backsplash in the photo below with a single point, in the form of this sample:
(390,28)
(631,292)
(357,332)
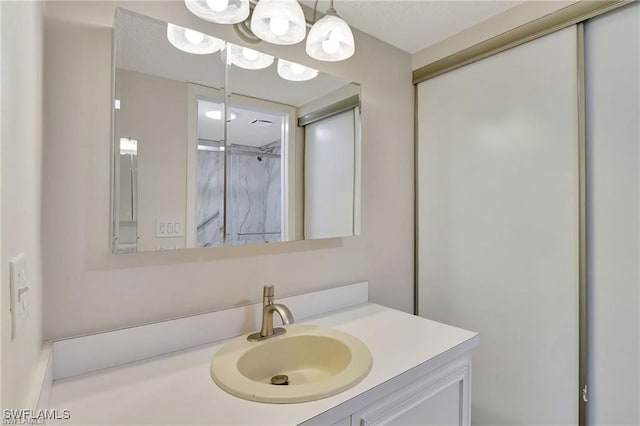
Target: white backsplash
(83,354)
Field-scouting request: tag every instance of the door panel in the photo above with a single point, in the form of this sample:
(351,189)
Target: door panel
(498,224)
(612,66)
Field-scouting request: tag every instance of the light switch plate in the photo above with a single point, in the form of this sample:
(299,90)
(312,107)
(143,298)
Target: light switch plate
(19,289)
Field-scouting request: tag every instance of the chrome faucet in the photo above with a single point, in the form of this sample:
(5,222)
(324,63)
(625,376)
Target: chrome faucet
(268,308)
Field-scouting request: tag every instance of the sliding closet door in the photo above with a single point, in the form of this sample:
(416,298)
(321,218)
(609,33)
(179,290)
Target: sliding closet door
(612,69)
(498,225)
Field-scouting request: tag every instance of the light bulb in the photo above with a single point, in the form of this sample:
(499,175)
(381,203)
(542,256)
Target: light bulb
(330,39)
(217,5)
(128,146)
(279,21)
(214,114)
(330,45)
(295,72)
(247,58)
(297,68)
(250,54)
(219,11)
(192,41)
(279,25)
(193,37)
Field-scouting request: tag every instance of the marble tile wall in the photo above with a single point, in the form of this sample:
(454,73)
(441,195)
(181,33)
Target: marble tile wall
(253,196)
(210,198)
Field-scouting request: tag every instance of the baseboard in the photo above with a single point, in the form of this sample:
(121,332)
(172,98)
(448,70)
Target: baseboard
(42,380)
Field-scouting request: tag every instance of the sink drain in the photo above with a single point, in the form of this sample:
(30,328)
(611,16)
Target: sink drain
(280,380)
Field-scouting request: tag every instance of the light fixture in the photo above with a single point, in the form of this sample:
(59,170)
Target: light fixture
(275,21)
(128,146)
(295,72)
(210,148)
(330,39)
(219,11)
(192,41)
(216,114)
(279,21)
(247,58)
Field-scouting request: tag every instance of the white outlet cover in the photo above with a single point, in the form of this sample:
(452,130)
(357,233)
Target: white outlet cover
(169,228)
(19,289)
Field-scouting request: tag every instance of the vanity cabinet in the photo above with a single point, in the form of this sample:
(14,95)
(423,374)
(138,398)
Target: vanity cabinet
(438,396)
(420,374)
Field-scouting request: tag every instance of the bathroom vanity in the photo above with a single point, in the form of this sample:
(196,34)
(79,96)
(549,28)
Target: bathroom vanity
(420,374)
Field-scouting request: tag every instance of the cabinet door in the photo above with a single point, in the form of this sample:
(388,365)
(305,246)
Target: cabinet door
(343,422)
(440,400)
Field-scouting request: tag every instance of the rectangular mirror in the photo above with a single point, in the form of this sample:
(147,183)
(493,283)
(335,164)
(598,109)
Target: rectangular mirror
(272,156)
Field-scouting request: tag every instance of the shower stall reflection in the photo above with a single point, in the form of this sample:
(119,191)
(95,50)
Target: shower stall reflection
(254,177)
(210,224)
(253,194)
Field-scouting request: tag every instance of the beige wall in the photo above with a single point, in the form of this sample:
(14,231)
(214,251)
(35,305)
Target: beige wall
(21,118)
(88,289)
(154,112)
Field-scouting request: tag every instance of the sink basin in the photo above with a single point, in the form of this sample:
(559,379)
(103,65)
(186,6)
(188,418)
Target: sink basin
(317,361)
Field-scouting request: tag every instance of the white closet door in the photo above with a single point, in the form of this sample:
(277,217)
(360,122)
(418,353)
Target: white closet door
(612,69)
(330,147)
(498,225)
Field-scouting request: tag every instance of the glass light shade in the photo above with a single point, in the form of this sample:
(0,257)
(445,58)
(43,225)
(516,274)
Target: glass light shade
(192,41)
(219,11)
(330,39)
(295,72)
(279,21)
(248,58)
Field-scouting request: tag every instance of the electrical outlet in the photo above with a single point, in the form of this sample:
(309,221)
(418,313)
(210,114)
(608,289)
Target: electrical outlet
(19,289)
(169,228)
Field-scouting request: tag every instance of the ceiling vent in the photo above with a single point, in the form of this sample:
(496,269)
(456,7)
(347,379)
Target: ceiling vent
(262,123)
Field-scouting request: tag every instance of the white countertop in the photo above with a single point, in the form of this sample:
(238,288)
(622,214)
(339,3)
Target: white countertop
(176,389)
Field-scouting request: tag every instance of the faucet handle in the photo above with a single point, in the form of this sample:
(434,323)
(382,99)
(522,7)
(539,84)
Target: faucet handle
(267,291)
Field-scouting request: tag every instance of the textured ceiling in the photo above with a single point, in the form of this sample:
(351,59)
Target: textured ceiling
(413,25)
